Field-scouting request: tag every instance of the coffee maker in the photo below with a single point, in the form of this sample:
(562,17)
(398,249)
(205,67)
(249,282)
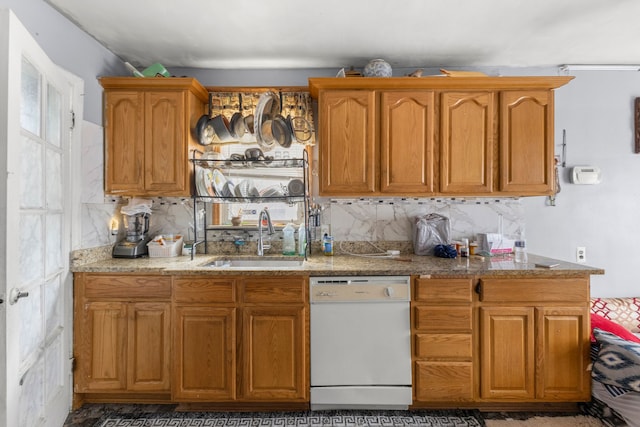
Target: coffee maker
(134,245)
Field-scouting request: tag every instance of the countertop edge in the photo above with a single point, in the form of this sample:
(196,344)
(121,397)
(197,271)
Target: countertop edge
(348,265)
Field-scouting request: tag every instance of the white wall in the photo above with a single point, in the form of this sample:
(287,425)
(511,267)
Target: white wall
(70,48)
(596,109)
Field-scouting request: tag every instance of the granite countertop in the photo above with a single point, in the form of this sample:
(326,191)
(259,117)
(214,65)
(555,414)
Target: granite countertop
(348,265)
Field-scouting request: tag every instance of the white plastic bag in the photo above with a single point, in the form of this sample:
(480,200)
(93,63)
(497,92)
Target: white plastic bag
(428,231)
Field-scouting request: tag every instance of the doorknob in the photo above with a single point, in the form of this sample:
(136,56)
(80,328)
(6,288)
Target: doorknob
(15,294)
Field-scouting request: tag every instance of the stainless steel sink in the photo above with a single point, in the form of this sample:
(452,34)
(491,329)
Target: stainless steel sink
(256,263)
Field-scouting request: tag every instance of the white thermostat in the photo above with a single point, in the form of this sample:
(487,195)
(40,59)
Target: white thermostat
(585,175)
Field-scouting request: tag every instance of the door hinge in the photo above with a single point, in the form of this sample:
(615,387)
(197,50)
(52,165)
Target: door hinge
(72,362)
(73,120)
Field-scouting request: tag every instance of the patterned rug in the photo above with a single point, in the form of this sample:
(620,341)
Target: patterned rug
(300,419)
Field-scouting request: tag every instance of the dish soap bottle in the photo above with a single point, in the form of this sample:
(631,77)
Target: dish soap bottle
(289,242)
(302,240)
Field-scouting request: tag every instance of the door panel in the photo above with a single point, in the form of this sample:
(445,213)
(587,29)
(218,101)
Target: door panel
(467,142)
(204,353)
(348,149)
(507,350)
(526,142)
(406,141)
(35,220)
(274,350)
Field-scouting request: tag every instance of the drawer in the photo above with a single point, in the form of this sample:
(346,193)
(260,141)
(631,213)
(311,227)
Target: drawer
(534,290)
(127,287)
(204,289)
(275,290)
(444,346)
(442,318)
(443,381)
(443,290)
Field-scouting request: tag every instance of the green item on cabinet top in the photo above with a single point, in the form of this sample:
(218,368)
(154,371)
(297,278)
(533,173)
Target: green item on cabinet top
(156,70)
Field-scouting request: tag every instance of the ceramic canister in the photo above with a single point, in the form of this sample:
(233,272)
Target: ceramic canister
(377,68)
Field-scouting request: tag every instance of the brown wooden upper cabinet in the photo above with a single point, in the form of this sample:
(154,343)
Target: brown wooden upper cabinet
(148,135)
(428,136)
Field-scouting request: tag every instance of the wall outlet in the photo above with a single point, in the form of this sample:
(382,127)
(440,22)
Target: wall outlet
(581,254)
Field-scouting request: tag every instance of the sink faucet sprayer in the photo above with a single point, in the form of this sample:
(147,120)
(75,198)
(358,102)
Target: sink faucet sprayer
(264,213)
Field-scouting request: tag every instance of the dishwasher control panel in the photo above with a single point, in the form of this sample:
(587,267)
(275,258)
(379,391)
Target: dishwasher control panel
(358,288)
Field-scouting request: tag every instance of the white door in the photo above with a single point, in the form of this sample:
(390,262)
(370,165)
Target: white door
(35,220)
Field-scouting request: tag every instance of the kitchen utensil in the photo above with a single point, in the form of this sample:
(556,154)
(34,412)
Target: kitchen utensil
(219,182)
(253,154)
(228,189)
(237,126)
(264,135)
(248,123)
(302,129)
(204,131)
(268,107)
(200,182)
(290,127)
(280,131)
(221,126)
(208,182)
(296,187)
(273,191)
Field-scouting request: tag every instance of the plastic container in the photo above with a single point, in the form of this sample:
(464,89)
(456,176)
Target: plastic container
(302,240)
(520,251)
(165,246)
(464,248)
(327,245)
(289,241)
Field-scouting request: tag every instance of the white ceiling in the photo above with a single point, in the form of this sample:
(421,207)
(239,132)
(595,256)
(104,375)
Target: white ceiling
(248,34)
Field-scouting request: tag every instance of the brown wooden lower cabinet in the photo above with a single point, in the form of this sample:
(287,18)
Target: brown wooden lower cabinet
(534,343)
(240,339)
(122,333)
(274,366)
(487,341)
(205,353)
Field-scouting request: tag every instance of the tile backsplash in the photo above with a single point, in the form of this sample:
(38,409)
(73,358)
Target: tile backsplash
(352,220)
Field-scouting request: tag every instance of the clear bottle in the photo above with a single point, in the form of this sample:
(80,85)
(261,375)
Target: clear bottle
(520,250)
(289,241)
(302,240)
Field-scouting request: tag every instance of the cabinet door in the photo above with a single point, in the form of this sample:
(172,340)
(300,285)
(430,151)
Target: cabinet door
(563,347)
(204,353)
(149,348)
(467,142)
(274,356)
(103,338)
(124,140)
(406,142)
(508,353)
(347,138)
(526,142)
(165,143)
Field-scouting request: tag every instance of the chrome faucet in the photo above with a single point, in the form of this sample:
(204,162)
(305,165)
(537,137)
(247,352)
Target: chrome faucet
(264,213)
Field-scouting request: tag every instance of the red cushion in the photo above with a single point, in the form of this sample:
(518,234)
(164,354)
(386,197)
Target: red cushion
(610,326)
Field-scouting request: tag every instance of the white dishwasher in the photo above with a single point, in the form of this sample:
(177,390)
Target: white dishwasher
(360,342)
